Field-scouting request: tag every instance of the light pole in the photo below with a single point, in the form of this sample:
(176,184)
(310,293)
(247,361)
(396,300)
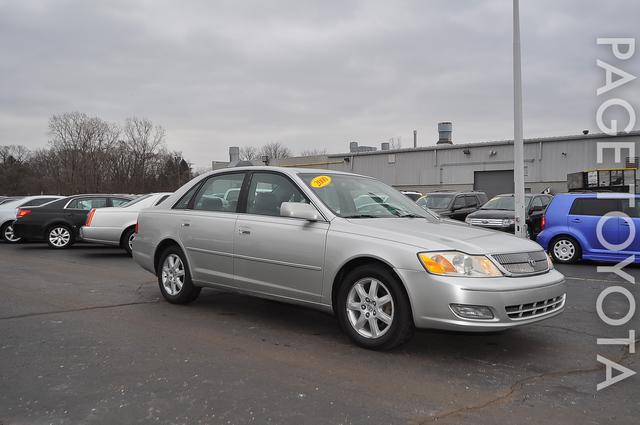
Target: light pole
(518,144)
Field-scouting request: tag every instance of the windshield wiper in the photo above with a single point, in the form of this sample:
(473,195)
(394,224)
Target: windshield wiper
(360,216)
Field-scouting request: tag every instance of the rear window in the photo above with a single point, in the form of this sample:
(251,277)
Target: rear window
(594,206)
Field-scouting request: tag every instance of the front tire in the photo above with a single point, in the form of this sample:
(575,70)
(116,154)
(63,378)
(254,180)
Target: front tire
(7,234)
(59,237)
(373,309)
(174,277)
(565,249)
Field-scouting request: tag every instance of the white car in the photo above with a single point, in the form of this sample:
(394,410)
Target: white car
(117,225)
(8,211)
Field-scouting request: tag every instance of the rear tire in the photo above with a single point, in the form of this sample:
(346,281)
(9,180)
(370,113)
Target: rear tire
(59,236)
(174,278)
(127,239)
(565,250)
(6,233)
(373,308)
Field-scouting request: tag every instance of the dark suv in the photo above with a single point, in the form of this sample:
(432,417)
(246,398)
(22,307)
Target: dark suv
(499,213)
(456,205)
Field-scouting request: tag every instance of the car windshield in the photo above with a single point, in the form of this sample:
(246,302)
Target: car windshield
(506,203)
(438,201)
(351,196)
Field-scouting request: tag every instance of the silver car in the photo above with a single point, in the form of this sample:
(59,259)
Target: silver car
(116,225)
(383,267)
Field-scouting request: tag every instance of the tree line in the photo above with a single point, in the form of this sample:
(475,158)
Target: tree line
(87,154)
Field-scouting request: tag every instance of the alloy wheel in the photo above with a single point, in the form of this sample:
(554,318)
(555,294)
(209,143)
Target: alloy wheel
(59,237)
(370,308)
(564,250)
(9,235)
(132,236)
(172,274)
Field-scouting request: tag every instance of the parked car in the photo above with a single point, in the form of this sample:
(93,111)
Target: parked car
(5,200)
(571,228)
(58,223)
(499,213)
(455,205)
(117,225)
(297,235)
(9,209)
(414,196)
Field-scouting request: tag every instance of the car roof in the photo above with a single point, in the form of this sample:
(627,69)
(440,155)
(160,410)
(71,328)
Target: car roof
(594,194)
(285,170)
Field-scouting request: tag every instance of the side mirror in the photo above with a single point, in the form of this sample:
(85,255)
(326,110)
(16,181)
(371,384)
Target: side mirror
(299,210)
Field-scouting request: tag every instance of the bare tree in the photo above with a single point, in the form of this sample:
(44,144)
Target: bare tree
(275,150)
(88,154)
(145,141)
(313,152)
(248,153)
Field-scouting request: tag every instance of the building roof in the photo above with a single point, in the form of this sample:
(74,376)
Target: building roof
(489,143)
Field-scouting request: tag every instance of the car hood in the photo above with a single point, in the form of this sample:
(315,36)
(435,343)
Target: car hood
(440,235)
(492,214)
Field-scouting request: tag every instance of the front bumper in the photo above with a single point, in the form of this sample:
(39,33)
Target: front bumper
(431,297)
(102,235)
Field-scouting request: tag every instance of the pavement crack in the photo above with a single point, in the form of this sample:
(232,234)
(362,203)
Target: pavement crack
(74,310)
(517,386)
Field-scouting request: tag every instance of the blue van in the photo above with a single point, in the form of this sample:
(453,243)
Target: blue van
(572,222)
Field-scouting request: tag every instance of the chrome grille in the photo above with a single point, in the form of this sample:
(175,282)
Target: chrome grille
(490,222)
(522,263)
(538,308)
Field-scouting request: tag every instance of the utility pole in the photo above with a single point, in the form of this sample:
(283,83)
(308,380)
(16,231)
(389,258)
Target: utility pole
(518,143)
(415,139)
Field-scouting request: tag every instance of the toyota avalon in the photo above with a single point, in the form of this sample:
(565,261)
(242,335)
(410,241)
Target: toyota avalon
(346,244)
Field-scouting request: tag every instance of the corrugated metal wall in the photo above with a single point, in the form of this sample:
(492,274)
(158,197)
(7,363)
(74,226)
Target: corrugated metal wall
(547,163)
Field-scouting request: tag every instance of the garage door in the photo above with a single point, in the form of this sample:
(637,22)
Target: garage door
(493,182)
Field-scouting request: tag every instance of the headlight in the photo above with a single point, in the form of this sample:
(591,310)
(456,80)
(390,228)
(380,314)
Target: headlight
(508,222)
(455,263)
(549,262)
(467,220)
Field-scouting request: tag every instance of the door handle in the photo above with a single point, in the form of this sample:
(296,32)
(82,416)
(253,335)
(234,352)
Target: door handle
(244,230)
(186,224)
(576,220)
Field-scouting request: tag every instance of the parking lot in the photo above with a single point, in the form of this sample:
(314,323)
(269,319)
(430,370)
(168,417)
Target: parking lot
(85,338)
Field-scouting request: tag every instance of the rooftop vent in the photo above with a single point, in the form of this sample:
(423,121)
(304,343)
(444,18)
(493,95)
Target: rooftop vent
(234,154)
(445,129)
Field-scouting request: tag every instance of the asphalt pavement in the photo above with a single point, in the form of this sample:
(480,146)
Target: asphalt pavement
(86,339)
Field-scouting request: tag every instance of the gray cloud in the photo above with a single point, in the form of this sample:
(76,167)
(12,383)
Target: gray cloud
(308,74)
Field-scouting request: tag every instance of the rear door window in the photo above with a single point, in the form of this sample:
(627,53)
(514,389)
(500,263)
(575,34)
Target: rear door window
(118,202)
(86,204)
(594,206)
(212,194)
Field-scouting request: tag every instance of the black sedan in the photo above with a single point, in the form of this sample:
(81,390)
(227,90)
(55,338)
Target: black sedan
(58,223)
(499,213)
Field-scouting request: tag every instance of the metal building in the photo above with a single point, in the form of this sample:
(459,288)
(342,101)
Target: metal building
(485,166)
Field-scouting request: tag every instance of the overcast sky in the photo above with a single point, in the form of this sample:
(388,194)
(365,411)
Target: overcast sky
(309,74)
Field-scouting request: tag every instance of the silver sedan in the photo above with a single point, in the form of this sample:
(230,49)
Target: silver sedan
(383,266)
(116,225)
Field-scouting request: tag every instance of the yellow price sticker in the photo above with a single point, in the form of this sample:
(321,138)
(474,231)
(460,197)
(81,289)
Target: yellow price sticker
(320,181)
